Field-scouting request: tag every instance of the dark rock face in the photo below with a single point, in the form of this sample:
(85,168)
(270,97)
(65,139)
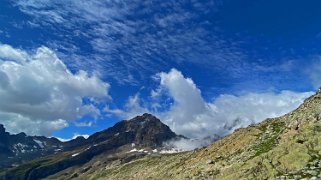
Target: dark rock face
(4,141)
(146,129)
(2,130)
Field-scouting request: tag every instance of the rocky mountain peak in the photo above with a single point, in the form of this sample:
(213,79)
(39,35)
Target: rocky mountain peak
(2,130)
(146,130)
(149,130)
(146,117)
(3,136)
(22,135)
(146,120)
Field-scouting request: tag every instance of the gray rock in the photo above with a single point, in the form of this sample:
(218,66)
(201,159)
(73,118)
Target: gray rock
(209,161)
(313,173)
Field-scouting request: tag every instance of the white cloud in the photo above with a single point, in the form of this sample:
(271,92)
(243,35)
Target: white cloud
(9,53)
(16,123)
(183,144)
(192,116)
(132,108)
(38,89)
(84,124)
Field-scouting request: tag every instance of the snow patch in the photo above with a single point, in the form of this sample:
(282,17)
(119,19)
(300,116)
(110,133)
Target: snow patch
(133,150)
(75,155)
(154,151)
(40,143)
(141,150)
(20,148)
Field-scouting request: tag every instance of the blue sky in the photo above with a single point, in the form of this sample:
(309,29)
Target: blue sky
(225,51)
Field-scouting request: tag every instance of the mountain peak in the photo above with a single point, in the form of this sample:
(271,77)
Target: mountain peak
(3,132)
(145,130)
(2,129)
(145,117)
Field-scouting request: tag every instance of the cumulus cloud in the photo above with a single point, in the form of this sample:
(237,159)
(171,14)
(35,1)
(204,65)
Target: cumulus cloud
(183,144)
(10,53)
(189,114)
(15,123)
(39,90)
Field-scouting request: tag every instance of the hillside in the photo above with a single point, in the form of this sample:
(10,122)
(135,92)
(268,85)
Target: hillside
(279,148)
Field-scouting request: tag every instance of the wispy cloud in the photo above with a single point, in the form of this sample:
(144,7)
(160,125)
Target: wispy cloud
(129,37)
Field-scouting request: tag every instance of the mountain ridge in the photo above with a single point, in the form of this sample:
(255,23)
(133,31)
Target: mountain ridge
(127,139)
(18,148)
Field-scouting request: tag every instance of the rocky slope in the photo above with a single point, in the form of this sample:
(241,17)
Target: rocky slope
(288,147)
(127,140)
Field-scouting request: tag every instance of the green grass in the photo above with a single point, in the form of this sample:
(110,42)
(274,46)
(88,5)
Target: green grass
(267,144)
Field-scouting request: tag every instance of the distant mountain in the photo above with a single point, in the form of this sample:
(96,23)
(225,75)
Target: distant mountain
(18,148)
(126,140)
